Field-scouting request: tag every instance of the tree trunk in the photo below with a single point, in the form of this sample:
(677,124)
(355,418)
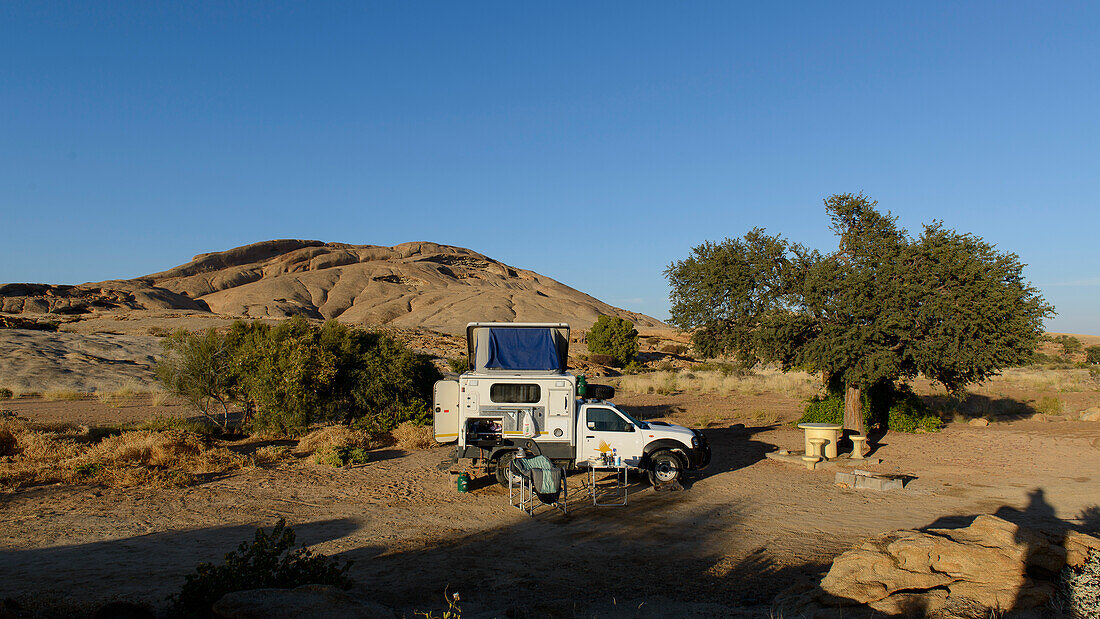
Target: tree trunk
(853,413)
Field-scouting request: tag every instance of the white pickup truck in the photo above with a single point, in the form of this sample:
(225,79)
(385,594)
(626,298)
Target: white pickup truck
(518,398)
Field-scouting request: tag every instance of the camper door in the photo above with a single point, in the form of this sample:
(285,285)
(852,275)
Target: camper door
(445,407)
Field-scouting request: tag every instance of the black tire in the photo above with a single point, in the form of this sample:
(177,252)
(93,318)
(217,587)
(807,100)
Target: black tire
(665,467)
(599,392)
(504,467)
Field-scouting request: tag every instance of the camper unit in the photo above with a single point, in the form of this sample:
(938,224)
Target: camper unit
(518,398)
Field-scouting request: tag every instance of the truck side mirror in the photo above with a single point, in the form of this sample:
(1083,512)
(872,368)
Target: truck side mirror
(629,427)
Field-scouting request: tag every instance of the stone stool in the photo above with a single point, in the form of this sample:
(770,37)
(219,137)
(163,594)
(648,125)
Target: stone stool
(811,461)
(817,446)
(858,441)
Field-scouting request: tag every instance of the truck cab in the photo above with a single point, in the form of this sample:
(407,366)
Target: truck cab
(663,449)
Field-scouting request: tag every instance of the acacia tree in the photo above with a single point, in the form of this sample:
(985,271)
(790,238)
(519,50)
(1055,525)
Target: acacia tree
(880,308)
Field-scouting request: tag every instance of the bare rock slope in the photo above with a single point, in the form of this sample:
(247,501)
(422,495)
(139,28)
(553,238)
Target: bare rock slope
(415,284)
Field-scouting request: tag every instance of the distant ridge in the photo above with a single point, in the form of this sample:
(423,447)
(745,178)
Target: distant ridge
(417,284)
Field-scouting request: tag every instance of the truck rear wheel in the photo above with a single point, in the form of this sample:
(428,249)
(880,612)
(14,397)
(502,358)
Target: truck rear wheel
(665,467)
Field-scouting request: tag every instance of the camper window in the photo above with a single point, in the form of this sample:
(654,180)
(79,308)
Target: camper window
(607,420)
(512,393)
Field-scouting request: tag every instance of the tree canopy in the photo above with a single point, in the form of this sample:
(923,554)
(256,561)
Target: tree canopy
(883,306)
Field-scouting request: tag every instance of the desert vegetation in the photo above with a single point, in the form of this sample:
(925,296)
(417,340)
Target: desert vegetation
(615,339)
(882,308)
(270,561)
(162,453)
(287,378)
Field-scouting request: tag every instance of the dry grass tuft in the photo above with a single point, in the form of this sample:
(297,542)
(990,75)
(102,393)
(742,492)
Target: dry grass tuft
(83,455)
(331,437)
(1041,379)
(160,398)
(64,394)
(410,437)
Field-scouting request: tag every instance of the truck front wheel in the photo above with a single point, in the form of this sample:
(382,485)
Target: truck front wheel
(665,467)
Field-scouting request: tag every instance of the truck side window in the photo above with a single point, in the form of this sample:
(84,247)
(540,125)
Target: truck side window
(512,393)
(607,420)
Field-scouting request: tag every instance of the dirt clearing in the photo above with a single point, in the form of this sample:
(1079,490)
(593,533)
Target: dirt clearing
(746,528)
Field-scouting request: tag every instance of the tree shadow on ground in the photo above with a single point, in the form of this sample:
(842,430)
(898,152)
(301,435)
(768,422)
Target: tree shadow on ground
(646,559)
(661,553)
(141,568)
(975,406)
(732,448)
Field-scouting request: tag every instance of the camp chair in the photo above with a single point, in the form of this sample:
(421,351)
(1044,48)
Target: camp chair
(537,477)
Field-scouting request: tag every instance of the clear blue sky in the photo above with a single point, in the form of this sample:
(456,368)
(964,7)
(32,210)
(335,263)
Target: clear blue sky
(592,142)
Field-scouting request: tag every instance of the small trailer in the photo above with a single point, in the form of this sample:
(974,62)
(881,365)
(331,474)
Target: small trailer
(518,399)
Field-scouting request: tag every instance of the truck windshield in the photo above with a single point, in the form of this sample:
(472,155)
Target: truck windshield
(641,425)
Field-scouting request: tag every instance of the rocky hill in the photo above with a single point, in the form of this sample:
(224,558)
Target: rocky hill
(417,284)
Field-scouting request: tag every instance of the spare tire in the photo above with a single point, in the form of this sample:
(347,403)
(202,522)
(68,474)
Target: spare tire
(599,392)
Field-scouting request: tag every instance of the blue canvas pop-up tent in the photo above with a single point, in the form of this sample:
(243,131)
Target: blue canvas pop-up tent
(518,346)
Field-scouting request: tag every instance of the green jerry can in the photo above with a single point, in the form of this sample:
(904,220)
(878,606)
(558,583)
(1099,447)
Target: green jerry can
(463,482)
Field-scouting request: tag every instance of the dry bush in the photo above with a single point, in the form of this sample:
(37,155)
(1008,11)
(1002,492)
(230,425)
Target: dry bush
(332,437)
(8,443)
(270,455)
(160,397)
(410,437)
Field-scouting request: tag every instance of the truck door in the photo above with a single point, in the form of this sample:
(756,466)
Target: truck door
(445,406)
(604,429)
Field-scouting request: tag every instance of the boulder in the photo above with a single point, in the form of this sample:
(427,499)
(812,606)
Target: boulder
(978,423)
(992,563)
(304,601)
(1090,414)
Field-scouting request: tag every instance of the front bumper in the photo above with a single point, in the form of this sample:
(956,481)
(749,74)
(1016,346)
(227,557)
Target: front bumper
(699,456)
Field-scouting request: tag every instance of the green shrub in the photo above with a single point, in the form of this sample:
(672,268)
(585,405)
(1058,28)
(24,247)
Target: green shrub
(293,375)
(614,336)
(341,456)
(6,394)
(896,408)
(1070,344)
(459,365)
(199,367)
(909,414)
(88,469)
(1092,355)
(269,562)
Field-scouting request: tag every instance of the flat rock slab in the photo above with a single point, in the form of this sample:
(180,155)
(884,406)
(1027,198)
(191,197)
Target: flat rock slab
(870,482)
(843,462)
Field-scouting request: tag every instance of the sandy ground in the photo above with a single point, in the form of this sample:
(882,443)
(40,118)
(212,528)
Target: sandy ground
(746,529)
